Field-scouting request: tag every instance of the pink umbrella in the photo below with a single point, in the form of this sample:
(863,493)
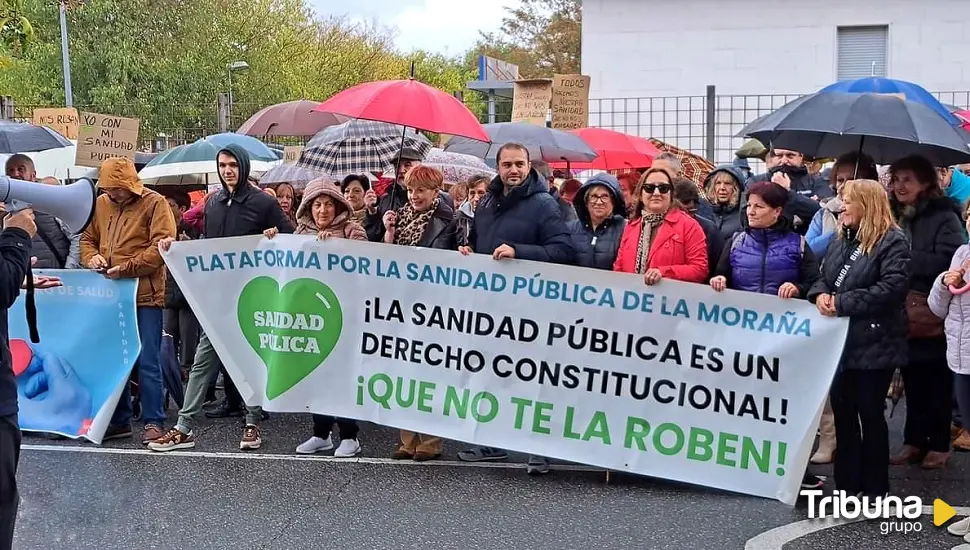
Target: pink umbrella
(293,118)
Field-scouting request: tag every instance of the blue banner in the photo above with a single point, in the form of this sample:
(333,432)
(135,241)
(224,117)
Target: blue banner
(70,382)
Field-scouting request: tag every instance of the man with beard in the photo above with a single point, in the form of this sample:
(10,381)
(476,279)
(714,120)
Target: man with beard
(517,218)
(788,170)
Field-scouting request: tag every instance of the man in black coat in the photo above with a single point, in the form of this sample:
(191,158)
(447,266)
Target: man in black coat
(788,170)
(517,218)
(237,210)
(19,229)
(394,197)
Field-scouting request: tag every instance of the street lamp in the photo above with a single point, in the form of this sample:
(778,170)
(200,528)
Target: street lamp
(65,56)
(234,66)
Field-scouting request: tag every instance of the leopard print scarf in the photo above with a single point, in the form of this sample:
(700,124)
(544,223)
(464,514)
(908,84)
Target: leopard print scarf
(412,224)
(649,223)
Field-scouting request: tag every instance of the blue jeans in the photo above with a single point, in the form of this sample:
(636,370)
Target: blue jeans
(150,385)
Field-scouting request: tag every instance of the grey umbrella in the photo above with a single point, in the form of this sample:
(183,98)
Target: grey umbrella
(543,143)
(19,137)
(885,127)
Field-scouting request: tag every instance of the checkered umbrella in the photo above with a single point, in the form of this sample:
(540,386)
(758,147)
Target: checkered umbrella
(359,146)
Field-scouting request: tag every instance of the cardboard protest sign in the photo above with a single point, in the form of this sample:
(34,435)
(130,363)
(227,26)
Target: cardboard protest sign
(530,101)
(291,153)
(62,120)
(101,137)
(570,101)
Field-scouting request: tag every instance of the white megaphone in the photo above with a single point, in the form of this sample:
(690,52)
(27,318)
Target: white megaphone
(72,204)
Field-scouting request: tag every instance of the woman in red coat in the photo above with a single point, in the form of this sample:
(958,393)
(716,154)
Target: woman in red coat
(661,240)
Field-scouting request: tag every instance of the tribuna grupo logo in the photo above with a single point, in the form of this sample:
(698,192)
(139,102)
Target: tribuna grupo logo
(897,514)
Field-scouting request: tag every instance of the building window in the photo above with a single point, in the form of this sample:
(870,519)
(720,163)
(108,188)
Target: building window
(862,51)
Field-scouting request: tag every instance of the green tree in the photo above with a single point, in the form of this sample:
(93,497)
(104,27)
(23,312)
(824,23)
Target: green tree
(16,30)
(542,37)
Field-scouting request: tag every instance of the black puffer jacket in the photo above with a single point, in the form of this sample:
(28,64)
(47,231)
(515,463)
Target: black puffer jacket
(935,232)
(596,248)
(49,227)
(527,219)
(873,296)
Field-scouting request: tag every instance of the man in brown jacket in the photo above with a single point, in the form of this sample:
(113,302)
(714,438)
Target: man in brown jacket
(122,242)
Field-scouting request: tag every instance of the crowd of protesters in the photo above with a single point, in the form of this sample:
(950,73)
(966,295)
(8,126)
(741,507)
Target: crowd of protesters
(891,255)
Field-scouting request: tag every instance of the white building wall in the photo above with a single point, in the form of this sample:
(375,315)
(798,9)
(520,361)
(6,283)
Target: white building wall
(750,50)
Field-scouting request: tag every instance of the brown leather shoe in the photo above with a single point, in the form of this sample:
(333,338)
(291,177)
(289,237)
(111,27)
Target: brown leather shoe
(907,455)
(935,460)
(151,433)
(962,442)
(955,431)
(401,454)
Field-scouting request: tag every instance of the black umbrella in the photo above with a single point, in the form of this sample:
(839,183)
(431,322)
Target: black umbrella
(19,137)
(885,127)
(543,143)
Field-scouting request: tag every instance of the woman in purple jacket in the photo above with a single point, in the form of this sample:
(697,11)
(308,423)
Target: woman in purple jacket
(768,257)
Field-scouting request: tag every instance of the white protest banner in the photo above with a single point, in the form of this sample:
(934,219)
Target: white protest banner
(672,381)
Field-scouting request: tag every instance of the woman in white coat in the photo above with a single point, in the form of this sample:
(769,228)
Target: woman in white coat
(949,300)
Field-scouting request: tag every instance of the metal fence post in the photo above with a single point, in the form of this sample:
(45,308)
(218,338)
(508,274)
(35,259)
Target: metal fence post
(6,107)
(711,122)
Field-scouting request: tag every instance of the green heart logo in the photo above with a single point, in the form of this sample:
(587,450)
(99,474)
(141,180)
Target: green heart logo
(292,329)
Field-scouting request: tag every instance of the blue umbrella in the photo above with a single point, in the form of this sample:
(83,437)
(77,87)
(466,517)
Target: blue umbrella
(257,149)
(18,137)
(885,127)
(192,164)
(877,85)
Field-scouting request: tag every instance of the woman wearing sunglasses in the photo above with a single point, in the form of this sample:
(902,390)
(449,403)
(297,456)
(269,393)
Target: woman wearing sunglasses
(661,241)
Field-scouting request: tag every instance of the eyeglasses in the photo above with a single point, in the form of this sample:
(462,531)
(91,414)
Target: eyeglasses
(649,188)
(593,199)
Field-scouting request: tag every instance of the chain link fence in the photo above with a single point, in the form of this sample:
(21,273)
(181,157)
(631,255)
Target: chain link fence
(706,125)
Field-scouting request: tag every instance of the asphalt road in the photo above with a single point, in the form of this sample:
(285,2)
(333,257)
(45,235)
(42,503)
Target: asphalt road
(80,496)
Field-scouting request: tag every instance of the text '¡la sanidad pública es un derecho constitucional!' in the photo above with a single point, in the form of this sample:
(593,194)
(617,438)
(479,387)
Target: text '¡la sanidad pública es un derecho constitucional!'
(788,324)
(567,375)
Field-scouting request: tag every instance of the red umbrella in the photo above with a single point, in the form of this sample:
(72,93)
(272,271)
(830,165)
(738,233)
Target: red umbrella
(615,150)
(293,118)
(409,103)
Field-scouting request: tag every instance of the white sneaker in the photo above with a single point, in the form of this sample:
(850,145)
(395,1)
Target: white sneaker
(960,528)
(963,546)
(347,448)
(315,445)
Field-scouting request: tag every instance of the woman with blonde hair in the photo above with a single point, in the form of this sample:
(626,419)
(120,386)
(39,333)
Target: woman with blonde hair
(865,277)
